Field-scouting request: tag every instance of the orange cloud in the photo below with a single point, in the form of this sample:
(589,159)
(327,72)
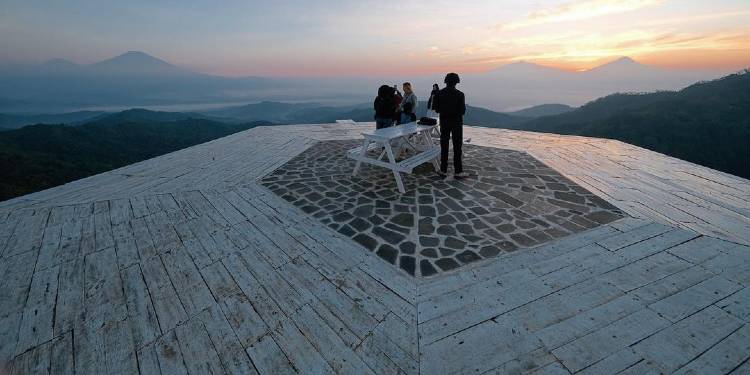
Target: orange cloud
(579,11)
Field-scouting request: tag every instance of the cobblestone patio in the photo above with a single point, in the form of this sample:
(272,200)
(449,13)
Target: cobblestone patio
(511,201)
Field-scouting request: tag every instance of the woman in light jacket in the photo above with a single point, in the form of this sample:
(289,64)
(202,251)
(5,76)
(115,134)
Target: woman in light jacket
(408,108)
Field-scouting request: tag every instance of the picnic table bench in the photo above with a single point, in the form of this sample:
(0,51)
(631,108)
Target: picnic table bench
(394,141)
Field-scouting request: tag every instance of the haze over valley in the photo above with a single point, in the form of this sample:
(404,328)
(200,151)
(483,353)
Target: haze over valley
(136,79)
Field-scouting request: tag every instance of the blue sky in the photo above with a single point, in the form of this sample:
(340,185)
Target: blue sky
(374,37)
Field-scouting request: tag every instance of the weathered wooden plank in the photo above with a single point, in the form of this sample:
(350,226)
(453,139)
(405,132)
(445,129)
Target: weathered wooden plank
(61,355)
(694,298)
(285,295)
(143,241)
(34,361)
(125,245)
(269,358)
(677,345)
(262,302)
(671,284)
(700,249)
(644,271)
(120,211)
(201,206)
(228,347)
(198,351)
(614,364)
(239,312)
(723,357)
(9,226)
(70,241)
(339,356)
(103,226)
(483,310)
(48,252)
(261,244)
(298,349)
(634,236)
(88,233)
(734,266)
(455,300)
(169,354)
(148,362)
(225,208)
(103,296)
(398,340)
(352,318)
(119,348)
(201,255)
(169,309)
(598,345)
(587,321)
(38,316)
(27,235)
(656,244)
(564,304)
(162,233)
(16,276)
(141,313)
(477,349)
(89,350)
(138,206)
(187,281)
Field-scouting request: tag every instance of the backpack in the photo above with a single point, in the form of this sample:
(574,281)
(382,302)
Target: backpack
(427,121)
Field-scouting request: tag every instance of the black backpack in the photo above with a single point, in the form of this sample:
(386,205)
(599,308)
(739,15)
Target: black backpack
(427,121)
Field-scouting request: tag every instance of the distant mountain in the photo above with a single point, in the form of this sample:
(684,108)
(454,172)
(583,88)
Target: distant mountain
(11,121)
(707,123)
(137,63)
(42,156)
(139,115)
(131,79)
(542,110)
(312,113)
(267,111)
(136,79)
(524,84)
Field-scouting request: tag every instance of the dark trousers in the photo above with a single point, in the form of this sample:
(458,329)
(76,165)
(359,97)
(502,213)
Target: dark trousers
(451,128)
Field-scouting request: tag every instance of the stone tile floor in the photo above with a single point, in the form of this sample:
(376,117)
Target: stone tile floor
(511,201)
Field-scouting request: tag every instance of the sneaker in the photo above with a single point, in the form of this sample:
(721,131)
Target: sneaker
(460,176)
(442,175)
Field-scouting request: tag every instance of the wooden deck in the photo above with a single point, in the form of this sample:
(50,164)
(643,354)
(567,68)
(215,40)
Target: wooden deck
(184,264)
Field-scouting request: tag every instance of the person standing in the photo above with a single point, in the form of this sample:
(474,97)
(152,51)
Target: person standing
(384,106)
(435,91)
(450,104)
(397,98)
(409,103)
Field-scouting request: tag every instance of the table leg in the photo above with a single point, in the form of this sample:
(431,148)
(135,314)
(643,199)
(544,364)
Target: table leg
(365,145)
(428,143)
(393,164)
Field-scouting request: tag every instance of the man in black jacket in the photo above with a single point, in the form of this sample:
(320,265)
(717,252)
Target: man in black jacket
(451,105)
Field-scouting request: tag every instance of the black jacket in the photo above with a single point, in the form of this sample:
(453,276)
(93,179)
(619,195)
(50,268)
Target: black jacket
(449,102)
(430,103)
(384,105)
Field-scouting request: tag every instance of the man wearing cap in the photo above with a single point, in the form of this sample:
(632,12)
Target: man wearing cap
(450,104)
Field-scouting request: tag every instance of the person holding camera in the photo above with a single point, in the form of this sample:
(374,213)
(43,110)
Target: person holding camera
(385,107)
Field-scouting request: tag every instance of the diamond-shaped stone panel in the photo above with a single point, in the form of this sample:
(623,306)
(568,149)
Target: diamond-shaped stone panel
(511,201)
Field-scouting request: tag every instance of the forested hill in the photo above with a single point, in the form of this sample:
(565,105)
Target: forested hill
(41,156)
(707,123)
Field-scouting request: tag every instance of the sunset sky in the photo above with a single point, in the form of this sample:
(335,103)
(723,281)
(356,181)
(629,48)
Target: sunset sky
(301,38)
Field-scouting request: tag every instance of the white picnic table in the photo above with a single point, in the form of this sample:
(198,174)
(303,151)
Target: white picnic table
(394,141)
